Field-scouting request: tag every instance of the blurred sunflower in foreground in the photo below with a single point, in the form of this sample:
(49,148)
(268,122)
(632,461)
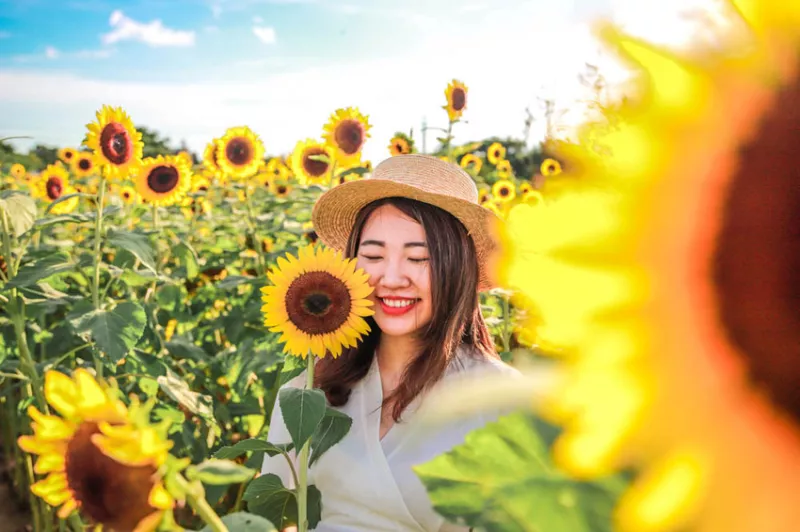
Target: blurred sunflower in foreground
(668,278)
(317,301)
(346,132)
(100,457)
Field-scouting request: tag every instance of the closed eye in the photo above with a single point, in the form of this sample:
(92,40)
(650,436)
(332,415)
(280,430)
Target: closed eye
(419,260)
(369,257)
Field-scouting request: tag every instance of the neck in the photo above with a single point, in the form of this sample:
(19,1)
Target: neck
(395,353)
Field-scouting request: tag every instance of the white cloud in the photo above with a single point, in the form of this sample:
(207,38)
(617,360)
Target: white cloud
(265,34)
(51,53)
(258,20)
(153,33)
(216,10)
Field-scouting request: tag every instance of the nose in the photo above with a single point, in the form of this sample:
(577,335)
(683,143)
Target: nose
(393,275)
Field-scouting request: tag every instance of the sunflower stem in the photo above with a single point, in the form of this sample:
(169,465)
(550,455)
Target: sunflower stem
(506,324)
(262,261)
(450,140)
(197,500)
(302,486)
(98,239)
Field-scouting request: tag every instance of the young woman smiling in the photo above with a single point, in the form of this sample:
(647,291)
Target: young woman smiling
(417,230)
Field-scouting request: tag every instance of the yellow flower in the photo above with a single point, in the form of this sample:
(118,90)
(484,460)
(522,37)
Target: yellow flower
(310,171)
(471,162)
(484,194)
(17,171)
(52,184)
(504,168)
(210,158)
(504,191)
(281,189)
(317,301)
(66,154)
(456,94)
(83,164)
(524,188)
(346,132)
(163,180)
(116,144)
(531,196)
(239,153)
(496,153)
(186,157)
(401,144)
(671,287)
(169,330)
(128,195)
(277,169)
(550,167)
(99,457)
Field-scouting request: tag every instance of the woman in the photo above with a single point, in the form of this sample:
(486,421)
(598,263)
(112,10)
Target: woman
(416,228)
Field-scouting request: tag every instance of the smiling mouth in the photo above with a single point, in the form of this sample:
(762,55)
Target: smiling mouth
(397,306)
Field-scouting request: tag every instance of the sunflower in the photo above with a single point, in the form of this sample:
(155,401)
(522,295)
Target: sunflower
(210,158)
(346,132)
(239,153)
(277,169)
(471,162)
(524,188)
(310,171)
(100,458)
(317,301)
(67,155)
(281,189)
(83,164)
(17,171)
(127,194)
(504,191)
(496,153)
(186,157)
(52,184)
(163,180)
(531,196)
(504,168)
(456,94)
(484,194)
(550,167)
(116,144)
(494,207)
(401,144)
(347,177)
(675,297)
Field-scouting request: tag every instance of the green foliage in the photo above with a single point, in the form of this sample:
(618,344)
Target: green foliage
(503,479)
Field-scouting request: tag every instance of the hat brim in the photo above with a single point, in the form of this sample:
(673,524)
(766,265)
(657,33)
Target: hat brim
(334,215)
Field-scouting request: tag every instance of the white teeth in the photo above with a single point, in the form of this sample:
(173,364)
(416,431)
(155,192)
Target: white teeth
(398,303)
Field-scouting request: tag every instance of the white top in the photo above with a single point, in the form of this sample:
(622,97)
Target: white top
(366,483)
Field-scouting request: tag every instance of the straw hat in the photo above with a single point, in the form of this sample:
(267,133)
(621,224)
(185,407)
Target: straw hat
(419,177)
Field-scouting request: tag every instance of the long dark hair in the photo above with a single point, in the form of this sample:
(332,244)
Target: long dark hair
(456,317)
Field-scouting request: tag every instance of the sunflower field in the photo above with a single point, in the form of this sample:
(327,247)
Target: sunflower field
(137,374)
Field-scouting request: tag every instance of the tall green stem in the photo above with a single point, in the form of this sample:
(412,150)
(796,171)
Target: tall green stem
(196,499)
(302,488)
(262,261)
(98,242)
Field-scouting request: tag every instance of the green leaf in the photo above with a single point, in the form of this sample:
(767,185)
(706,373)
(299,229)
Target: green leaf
(239,448)
(320,158)
(188,257)
(114,331)
(179,391)
(181,349)
(268,497)
(302,410)
(135,243)
(40,269)
(20,210)
(334,426)
(245,522)
(502,478)
(216,472)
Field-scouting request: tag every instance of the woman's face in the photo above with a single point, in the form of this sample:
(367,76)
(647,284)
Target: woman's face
(393,251)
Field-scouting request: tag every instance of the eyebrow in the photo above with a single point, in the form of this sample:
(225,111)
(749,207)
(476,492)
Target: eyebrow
(383,244)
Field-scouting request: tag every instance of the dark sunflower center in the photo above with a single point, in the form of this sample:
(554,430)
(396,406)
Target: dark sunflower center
(107,491)
(318,303)
(282,189)
(459,99)
(84,164)
(757,262)
(116,143)
(239,151)
(312,236)
(350,136)
(313,167)
(505,191)
(54,188)
(163,179)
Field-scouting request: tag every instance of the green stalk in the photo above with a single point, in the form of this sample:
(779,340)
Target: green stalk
(196,499)
(450,140)
(262,261)
(98,240)
(506,324)
(302,486)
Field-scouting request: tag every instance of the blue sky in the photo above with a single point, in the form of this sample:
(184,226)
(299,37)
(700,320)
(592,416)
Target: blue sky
(192,68)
